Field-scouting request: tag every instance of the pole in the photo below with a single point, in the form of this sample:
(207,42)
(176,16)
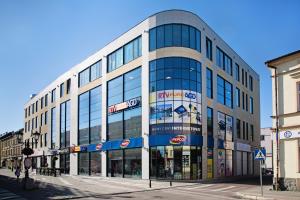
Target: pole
(260,173)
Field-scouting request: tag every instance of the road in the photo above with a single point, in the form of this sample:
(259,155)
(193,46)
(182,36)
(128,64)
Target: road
(80,187)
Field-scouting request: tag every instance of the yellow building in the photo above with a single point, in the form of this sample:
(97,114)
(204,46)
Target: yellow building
(285,71)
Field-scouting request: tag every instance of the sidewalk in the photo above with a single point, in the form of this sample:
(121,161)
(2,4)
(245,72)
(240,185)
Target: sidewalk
(269,194)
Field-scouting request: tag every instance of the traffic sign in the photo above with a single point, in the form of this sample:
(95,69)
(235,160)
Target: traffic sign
(260,154)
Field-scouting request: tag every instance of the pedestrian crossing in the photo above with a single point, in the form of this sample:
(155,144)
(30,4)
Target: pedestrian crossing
(7,195)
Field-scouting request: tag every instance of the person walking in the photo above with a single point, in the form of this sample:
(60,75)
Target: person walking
(17,173)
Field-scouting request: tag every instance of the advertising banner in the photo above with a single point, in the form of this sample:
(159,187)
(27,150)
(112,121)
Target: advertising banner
(228,163)
(221,163)
(290,134)
(210,157)
(221,126)
(229,129)
(171,139)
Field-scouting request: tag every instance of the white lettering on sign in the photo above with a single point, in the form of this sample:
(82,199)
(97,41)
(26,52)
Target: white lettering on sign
(289,134)
(124,105)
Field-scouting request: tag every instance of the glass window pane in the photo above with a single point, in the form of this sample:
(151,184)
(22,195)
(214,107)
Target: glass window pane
(152,40)
(160,37)
(192,38)
(168,35)
(176,35)
(185,35)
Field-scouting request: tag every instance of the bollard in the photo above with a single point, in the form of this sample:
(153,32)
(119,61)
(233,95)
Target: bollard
(150,183)
(170,183)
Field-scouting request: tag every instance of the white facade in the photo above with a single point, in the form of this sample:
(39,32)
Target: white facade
(241,145)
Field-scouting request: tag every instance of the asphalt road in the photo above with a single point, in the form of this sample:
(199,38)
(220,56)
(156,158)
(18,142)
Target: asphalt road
(79,187)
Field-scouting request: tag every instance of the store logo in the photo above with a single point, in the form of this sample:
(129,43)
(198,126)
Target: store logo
(125,143)
(124,105)
(287,134)
(98,147)
(190,95)
(77,148)
(178,139)
(83,148)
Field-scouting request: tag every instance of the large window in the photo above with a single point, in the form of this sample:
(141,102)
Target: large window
(251,82)
(209,83)
(224,92)
(90,74)
(251,105)
(208,48)
(90,116)
(65,118)
(89,163)
(53,128)
(210,122)
(124,123)
(175,96)
(224,61)
(176,162)
(178,35)
(62,89)
(125,54)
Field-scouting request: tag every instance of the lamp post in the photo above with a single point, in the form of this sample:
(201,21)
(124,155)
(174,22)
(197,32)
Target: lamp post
(27,151)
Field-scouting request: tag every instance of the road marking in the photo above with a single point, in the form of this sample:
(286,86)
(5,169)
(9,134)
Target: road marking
(199,186)
(64,181)
(222,189)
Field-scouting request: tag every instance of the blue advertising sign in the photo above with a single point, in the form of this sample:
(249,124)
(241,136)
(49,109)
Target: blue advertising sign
(173,139)
(259,154)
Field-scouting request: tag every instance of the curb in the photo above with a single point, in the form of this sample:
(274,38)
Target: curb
(253,197)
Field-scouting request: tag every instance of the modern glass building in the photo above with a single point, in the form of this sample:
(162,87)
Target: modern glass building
(168,99)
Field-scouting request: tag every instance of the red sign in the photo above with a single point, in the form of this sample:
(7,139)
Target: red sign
(178,139)
(124,143)
(98,147)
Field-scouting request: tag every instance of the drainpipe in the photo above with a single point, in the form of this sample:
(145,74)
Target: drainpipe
(277,127)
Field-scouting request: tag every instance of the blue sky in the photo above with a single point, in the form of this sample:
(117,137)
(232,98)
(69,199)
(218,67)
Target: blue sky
(39,39)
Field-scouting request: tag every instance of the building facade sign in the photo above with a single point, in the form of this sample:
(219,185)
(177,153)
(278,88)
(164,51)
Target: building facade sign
(289,134)
(243,147)
(124,105)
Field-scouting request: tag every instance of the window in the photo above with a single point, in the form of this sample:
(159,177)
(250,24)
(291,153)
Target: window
(224,61)
(246,79)
(32,123)
(208,48)
(42,119)
(68,86)
(178,35)
(237,97)
(127,123)
(41,141)
(42,102)
(65,119)
(244,130)
(209,83)
(84,77)
(36,106)
(96,70)
(237,72)
(32,108)
(46,100)
(45,139)
(89,74)
(262,138)
(132,50)
(62,89)
(251,82)
(53,128)
(125,54)
(252,132)
(247,131)
(224,92)
(238,128)
(46,117)
(251,105)
(25,112)
(246,99)
(243,100)
(210,122)
(90,116)
(243,77)
(53,95)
